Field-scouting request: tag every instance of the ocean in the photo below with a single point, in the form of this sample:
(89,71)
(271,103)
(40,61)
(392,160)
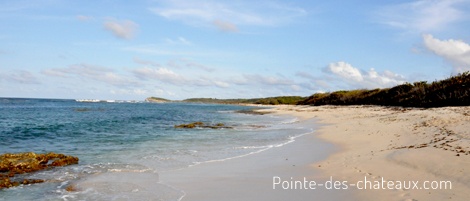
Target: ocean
(138,139)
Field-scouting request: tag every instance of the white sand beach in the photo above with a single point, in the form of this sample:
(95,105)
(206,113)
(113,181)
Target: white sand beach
(424,146)
(408,149)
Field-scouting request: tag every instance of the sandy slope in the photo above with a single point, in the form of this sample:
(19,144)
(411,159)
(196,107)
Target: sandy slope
(398,145)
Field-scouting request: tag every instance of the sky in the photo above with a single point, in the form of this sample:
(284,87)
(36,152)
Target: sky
(178,49)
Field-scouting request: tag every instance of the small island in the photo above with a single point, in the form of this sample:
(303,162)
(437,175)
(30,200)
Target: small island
(156,100)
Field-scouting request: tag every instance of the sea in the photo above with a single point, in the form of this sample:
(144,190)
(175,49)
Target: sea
(112,138)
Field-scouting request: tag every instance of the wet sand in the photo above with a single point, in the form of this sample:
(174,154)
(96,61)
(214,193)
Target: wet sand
(251,177)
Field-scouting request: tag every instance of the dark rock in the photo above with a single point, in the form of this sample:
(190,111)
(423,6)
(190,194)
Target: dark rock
(70,188)
(190,125)
(199,124)
(252,112)
(20,163)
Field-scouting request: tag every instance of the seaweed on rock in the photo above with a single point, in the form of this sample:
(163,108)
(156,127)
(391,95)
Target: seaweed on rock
(21,163)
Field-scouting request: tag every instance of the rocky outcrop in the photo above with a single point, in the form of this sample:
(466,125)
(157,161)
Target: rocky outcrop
(199,124)
(253,112)
(20,163)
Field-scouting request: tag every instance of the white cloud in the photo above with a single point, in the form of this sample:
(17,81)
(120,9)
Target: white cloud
(85,70)
(92,72)
(363,79)
(178,41)
(256,79)
(423,15)
(175,64)
(129,91)
(145,62)
(162,74)
(54,72)
(154,49)
(295,87)
(457,52)
(317,81)
(270,80)
(186,63)
(345,70)
(125,29)
(304,75)
(221,84)
(116,80)
(227,16)
(166,75)
(180,47)
(384,79)
(20,76)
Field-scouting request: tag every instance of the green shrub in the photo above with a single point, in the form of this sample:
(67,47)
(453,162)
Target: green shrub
(454,91)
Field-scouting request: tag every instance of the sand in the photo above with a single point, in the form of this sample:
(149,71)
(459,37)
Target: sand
(412,148)
(393,152)
(395,144)
(252,177)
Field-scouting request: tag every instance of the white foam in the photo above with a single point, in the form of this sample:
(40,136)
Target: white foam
(291,121)
(290,140)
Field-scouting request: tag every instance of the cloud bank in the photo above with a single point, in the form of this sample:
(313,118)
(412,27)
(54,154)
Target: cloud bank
(227,16)
(92,72)
(424,15)
(457,52)
(162,74)
(363,79)
(20,76)
(167,76)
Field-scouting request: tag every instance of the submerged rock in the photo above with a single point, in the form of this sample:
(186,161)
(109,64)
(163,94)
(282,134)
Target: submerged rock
(20,163)
(199,124)
(253,112)
(190,125)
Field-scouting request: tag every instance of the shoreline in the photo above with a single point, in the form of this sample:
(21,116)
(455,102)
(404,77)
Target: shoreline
(347,145)
(253,177)
(395,144)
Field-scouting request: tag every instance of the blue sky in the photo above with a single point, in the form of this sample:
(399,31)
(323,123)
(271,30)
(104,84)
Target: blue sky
(129,50)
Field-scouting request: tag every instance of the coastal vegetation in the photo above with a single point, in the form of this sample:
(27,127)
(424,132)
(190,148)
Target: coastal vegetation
(453,91)
(285,100)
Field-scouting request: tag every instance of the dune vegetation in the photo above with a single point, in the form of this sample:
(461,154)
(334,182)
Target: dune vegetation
(286,100)
(454,91)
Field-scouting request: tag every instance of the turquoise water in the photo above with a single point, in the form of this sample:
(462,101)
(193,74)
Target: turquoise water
(128,141)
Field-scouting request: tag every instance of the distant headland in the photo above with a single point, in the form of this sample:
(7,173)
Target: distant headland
(156,100)
(453,91)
